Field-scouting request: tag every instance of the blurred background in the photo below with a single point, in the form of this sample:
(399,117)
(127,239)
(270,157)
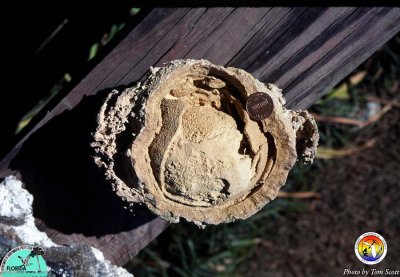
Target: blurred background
(310,229)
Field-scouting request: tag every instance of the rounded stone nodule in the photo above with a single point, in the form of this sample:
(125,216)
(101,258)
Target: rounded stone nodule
(200,141)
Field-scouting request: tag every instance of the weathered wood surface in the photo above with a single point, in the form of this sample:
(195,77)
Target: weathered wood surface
(305,51)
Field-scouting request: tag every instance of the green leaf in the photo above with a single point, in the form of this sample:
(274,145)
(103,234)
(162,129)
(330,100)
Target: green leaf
(67,77)
(113,31)
(93,51)
(134,11)
(245,242)
(342,93)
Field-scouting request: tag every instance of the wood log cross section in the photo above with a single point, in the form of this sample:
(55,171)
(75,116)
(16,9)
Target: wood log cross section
(304,51)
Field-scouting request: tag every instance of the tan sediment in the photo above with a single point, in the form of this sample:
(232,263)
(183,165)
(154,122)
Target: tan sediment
(182,143)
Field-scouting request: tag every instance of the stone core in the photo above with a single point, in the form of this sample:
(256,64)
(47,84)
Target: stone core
(191,149)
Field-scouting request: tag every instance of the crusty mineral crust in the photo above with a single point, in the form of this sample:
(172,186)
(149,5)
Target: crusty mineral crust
(183,144)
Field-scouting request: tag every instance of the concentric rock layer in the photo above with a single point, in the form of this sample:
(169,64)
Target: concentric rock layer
(183,143)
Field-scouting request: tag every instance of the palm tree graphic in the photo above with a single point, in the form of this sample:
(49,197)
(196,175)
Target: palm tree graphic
(35,252)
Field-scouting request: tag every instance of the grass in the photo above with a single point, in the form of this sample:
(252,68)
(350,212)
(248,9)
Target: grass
(184,250)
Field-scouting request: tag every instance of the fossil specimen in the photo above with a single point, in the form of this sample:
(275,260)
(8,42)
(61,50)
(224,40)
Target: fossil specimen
(184,144)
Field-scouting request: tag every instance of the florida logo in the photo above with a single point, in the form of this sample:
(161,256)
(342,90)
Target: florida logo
(24,261)
(370,248)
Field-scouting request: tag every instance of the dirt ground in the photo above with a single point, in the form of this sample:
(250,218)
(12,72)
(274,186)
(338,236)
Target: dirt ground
(359,193)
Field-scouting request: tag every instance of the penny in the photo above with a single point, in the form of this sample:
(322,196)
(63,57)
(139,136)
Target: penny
(259,105)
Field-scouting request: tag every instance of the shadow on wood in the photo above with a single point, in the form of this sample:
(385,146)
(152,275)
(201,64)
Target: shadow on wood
(70,193)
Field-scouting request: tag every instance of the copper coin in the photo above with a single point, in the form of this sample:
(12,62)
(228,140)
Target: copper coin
(259,105)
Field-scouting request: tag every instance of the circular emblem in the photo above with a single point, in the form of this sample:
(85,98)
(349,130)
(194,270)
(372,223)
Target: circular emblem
(370,248)
(24,260)
(259,105)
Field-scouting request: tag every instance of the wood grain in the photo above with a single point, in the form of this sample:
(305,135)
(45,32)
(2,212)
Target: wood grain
(305,51)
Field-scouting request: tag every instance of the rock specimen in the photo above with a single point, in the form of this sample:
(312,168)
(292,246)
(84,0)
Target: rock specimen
(17,228)
(184,144)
